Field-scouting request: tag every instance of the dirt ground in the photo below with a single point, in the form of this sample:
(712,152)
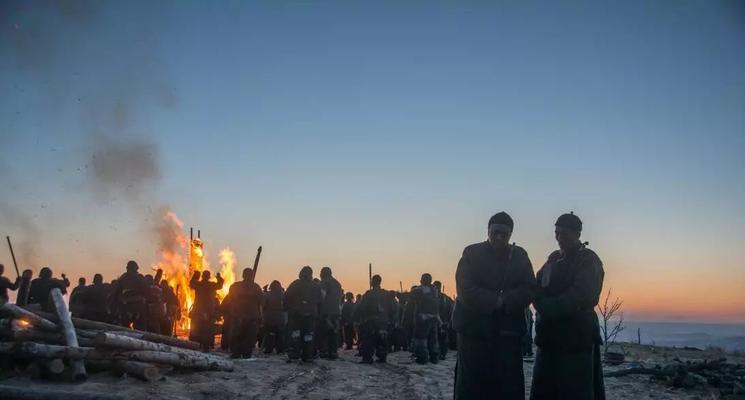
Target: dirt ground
(272,377)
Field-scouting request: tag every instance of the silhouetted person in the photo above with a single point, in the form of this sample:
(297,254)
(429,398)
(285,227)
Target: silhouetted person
(243,306)
(129,298)
(275,319)
(40,287)
(77,306)
(95,300)
(302,301)
(446,312)
(347,320)
(6,284)
(375,312)
(567,364)
(425,299)
(173,308)
(329,321)
(495,283)
(156,306)
(205,309)
(407,321)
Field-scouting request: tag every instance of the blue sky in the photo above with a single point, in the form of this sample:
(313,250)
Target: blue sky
(355,132)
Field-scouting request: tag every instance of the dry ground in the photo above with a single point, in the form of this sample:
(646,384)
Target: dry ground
(273,378)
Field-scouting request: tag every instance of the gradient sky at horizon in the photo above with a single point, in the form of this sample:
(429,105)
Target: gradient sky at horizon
(345,133)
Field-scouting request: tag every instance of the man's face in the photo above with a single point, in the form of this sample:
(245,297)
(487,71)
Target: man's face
(499,235)
(566,238)
(206,275)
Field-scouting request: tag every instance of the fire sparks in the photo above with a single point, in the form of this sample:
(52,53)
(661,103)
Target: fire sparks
(181,257)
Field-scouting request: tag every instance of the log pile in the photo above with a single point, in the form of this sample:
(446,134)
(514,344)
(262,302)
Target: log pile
(56,346)
(725,377)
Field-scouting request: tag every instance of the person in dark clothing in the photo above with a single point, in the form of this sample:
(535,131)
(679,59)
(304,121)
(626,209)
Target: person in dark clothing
(329,324)
(173,308)
(77,306)
(6,284)
(375,313)
(275,319)
(156,306)
(95,300)
(567,364)
(347,320)
(407,320)
(243,306)
(446,311)
(494,282)
(302,301)
(205,310)
(425,299)
(528,338)
(129,298)
(40,287)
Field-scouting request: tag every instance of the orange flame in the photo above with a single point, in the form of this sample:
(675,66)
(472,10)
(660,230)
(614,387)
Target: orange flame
(180,258)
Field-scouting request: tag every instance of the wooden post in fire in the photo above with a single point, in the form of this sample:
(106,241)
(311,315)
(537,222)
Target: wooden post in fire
(256,262)
(78,366)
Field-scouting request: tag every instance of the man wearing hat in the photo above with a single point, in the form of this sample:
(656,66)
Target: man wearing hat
(567,364)
(494,283)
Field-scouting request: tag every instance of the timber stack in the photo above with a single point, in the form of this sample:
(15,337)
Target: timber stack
(52,345)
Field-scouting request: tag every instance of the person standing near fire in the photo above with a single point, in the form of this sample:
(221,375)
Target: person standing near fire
(243,306)
(274,318)
(40,288)
(302,301)
(6,284)
(129,299)
(204,311)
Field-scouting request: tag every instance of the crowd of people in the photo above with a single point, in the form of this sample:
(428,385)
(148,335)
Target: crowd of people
(314,317)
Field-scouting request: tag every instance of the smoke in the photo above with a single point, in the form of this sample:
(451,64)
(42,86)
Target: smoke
(55,49)
(124,169)
(27,234)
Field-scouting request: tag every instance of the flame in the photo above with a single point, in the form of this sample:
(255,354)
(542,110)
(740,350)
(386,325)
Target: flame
(180,257)
(227,271)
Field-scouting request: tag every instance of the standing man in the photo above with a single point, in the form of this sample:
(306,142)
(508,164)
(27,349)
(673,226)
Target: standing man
(302,301)
(130,298)
(6,284)
(173,308)
(275,319)
(38,292)
(77,305)
(567,363)
(328,343)
(243,307)
(425,299)
(446,312)
(494,283)
(95,300)
(375,312)
(347,320)
(204,311)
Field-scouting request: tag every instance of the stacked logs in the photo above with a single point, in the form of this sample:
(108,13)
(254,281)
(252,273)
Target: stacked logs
(56,346)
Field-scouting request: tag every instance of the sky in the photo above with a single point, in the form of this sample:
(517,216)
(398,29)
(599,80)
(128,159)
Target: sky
(347,133)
